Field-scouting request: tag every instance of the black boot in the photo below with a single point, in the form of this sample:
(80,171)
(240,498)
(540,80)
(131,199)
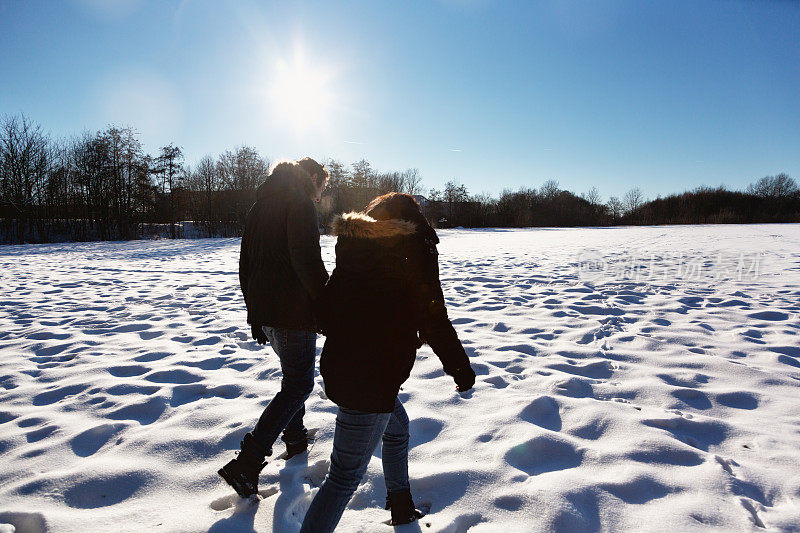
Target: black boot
(296,448)
(402,507)
(242,472)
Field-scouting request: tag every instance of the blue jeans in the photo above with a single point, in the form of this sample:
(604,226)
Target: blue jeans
(356,436)
(297,351)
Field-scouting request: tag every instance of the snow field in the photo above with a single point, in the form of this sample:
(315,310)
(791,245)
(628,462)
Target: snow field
(657,391)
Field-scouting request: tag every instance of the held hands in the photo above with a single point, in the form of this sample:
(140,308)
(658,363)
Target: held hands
(258,334)
(464,378)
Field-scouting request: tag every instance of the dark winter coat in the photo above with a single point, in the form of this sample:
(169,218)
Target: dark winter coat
(383,293)
(280,267)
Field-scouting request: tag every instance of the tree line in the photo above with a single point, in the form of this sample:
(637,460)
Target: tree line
(769,199)
(103,186)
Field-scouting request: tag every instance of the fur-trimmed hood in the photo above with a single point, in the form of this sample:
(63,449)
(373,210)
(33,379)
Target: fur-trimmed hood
(361,226)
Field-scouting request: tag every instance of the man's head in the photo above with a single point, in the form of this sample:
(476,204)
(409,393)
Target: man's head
(319,176)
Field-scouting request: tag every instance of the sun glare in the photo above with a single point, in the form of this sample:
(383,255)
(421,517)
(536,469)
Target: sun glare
(301,93)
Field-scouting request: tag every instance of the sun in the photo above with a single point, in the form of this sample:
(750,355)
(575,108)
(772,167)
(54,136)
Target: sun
(301,93)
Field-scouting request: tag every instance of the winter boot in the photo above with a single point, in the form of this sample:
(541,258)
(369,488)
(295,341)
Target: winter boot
(242,472)
(296,448)
(402,507)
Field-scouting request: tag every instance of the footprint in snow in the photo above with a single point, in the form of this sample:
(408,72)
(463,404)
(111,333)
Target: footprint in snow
(544,453)
(234,500)
(543,412)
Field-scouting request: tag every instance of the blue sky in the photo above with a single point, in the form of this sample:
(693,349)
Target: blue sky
(664,95)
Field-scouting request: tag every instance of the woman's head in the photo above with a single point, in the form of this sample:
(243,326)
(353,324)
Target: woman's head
(395,205)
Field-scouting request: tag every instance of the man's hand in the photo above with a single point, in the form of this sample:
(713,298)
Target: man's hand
(464,378)
(258,334)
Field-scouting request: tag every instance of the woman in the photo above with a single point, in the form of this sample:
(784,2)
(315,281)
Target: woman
(382,302)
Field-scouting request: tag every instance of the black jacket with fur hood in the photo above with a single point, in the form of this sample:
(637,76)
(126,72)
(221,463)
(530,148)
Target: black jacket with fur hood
(383,293)
(280,267)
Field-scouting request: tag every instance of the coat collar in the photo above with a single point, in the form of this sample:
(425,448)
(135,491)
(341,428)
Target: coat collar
(361,226)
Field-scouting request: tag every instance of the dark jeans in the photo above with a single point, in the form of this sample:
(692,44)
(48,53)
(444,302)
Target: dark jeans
(356,436)
(297,351)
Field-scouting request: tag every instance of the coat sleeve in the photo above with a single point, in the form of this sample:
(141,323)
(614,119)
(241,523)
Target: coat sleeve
(244,263)
(304,250)
(435,327)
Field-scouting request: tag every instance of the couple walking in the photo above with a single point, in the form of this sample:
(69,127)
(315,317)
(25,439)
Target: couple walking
(382,302)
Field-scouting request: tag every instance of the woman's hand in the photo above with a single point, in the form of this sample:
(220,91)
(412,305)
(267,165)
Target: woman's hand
(464,378)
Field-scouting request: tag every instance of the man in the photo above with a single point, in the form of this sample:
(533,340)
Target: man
(282,276)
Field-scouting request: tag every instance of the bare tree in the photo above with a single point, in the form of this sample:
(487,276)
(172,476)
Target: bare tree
(362,179)
(241,172)
(776,187)
(615,207)
(25,160)
(593,196)
(390,182)
(454,195)
(206,184)
(633,200)
(413,181)
(549,189)
(243,169)
(124,154)
(169,168)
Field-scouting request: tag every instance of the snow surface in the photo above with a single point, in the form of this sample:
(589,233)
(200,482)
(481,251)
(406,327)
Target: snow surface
(628,379)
